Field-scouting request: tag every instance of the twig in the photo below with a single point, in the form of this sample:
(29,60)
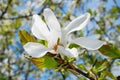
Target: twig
(3,13)
(19,17)
(63,75)
(78,71)
(71,67)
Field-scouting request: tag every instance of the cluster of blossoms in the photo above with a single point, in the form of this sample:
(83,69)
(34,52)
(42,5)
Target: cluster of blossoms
(57,37)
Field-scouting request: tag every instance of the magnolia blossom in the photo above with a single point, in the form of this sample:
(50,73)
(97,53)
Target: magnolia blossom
(57,36)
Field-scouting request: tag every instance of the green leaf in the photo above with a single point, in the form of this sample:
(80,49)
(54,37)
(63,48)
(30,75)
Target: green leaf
(110,51)
(81,33)
(73,46)
(90,11)
(102,79)
(81,66)
(95,12)
(25,37)
(101,65)
(99,31)
(118,63)
(44,42)
(44,62)
(115,10)
(105,75)
(118,28)
(17,23)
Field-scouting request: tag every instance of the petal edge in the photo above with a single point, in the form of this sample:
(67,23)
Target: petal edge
(67,52)
(90,44)
(35,49)
(78,23)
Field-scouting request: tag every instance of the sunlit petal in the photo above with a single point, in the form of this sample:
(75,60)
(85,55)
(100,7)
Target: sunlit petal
(39,28)
(35,49)
(90,44)
(78,23)
(67,52)
(53,25)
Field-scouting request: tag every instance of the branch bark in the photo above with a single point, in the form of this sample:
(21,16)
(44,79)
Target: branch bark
(3,13)
(70,66)
(19,17)
(79,72)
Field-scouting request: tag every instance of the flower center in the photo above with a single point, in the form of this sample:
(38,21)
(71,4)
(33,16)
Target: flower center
(56,46)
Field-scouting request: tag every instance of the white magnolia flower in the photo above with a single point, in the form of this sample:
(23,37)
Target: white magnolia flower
(52,33)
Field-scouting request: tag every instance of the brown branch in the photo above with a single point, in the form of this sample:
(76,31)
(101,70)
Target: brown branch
(3,13)
(78,71)
(63,75)
(118,77)
(70,66)
(21,17)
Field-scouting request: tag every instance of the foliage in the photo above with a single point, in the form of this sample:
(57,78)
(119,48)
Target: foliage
(44,62)
(25,37)
(110,51)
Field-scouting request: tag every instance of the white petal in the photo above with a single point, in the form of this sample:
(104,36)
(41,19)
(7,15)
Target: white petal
(77,23)
(39,28)
(53,25)
(90,44)
(67,52)
(73,51)
(35,49)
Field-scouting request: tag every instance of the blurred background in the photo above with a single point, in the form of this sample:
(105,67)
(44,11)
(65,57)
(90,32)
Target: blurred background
(16,15)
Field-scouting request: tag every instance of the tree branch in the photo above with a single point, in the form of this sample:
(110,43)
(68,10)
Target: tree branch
(19,17)
(69,66)
(3,13)
(78,71)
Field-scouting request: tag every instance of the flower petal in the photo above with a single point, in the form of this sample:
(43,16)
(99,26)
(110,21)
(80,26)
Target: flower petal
(77,23)
(68,52)
(35,49)
(53,25)
(87,43)
(39,28)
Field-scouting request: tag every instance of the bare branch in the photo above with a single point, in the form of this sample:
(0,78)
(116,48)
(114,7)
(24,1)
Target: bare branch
(3,13)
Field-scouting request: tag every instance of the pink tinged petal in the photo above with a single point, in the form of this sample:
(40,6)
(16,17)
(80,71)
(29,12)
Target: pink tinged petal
(35,49)
(78,23)
(39,28)
(53,25)
(67,52)
(88,43)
